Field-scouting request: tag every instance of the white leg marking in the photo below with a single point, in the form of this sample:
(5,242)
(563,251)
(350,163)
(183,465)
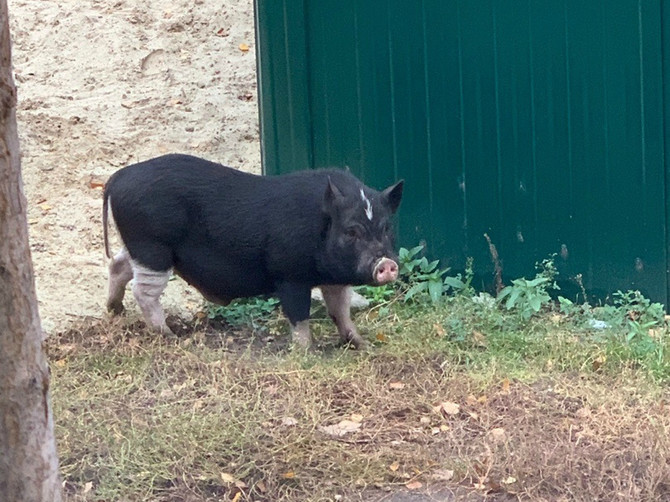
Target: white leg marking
(148,285)
(120,273)
(338,303)
(301,334)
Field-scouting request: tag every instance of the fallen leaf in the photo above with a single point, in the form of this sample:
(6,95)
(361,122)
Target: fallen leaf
(88,487)
(94,183)
(439,329)
(227,478)
(340,429)
(288,475)
(498,434)
(448,408)
(598,362)
(244,47)
(60,363)
(289,421)
(493,486)
(356,417)
(509,480)
(413,485)
(394,466)
(381,337)
(261,487)
(396,385)
(443,474)
(471,400)
(583,413)
(425,420)
(237,497)
(479,338)
(505,386)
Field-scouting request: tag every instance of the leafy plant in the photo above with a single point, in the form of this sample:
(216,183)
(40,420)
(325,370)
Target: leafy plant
(528,296)
(638,313)
(246,311)
(462,284)
(421,275)
(377,294)
(636,306)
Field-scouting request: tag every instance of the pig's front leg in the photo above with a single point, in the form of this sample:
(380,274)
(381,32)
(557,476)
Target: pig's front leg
(338,303)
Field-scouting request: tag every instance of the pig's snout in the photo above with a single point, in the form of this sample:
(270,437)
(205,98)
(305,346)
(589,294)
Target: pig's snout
(385,271)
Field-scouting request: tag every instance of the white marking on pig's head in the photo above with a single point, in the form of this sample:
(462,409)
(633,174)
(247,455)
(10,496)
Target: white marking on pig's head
(368,206)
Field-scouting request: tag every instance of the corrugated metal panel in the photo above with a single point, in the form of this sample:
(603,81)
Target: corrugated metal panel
(537,122)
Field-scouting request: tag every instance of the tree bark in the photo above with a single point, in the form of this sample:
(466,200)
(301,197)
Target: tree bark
(28,459)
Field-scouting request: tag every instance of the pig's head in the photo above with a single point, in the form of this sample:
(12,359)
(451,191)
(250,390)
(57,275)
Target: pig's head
(358,241)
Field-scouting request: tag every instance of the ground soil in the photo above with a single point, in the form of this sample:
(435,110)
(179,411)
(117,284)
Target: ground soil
(102,84)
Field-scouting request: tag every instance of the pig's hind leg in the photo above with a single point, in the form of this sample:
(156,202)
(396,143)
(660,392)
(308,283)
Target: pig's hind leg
(148,285)
(120,273)
(338,303)
(295,302)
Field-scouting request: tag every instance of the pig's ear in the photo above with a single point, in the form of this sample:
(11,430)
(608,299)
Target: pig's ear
(393,194)
(333,198)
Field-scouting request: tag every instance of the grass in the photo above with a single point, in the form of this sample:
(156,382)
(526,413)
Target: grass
(459,396)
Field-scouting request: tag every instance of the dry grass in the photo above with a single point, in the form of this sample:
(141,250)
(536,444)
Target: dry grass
(213,417)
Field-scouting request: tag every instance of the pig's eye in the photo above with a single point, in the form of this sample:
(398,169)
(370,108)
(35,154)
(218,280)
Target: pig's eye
(353,233)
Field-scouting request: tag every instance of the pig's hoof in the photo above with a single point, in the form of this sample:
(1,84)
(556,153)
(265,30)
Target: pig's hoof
(355,341)
(358,347)
(302,338)
(168,333)
(163,330)
(115,308)
(302,348)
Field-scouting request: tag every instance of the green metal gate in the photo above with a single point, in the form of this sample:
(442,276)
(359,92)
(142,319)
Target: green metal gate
(537,122)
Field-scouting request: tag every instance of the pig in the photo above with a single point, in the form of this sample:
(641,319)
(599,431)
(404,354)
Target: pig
(232,235)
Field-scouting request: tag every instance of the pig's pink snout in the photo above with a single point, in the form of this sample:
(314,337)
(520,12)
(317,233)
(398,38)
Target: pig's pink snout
(386,270)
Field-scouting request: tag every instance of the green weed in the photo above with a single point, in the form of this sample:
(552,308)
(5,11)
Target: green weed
(245,311)
(527,297)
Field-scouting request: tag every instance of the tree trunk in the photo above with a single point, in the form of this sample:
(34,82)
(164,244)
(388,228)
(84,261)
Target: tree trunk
(28,460)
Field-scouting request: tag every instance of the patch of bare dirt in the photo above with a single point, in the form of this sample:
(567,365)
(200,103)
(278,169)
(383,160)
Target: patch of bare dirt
(102,84)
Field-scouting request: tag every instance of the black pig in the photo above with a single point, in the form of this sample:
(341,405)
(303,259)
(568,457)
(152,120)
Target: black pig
(232,234)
